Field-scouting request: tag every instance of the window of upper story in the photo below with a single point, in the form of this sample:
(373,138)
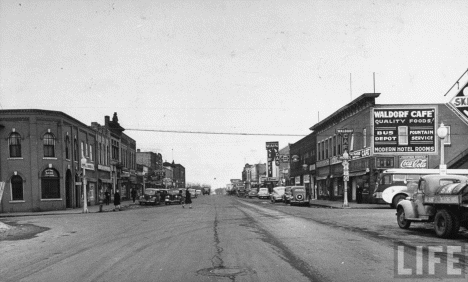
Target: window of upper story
(67,147)
(91,152)
(14,143)
(75,149)
(82,149)
(364,138)
(326,148)
(334,146)
(49,145)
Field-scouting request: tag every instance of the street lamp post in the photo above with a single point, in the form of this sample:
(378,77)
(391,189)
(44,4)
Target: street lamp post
(442,132)
(345,164)
(85,198)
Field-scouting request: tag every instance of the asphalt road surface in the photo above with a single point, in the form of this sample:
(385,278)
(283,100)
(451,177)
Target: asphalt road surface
(222,238)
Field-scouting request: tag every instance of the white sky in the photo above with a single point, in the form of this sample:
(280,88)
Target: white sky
(225,66)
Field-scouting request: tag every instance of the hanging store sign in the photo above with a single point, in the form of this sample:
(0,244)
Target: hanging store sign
(366,152)
(413,162)
(272,157)
(404,130)
(460,101)
(295,158)
(284,158)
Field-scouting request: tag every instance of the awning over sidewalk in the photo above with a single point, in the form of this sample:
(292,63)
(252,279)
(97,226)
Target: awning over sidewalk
(357,173)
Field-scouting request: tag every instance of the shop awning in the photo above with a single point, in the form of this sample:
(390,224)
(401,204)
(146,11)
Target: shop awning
(357,173)
(321,177)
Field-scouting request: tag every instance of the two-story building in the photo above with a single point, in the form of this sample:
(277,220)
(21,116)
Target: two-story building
(379,137)
(40,160)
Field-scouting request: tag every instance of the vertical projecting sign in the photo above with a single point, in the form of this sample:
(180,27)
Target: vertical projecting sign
(460,101)
(272,157)
(403,130)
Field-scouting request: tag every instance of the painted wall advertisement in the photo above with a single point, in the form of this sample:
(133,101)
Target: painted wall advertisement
(413,162)
(272,158)
(404,130)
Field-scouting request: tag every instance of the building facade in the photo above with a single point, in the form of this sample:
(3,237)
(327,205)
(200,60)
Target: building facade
(40,160)
(303,157)
(379,137)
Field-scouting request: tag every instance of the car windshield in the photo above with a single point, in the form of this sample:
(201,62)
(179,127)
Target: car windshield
(263,190)
(150,192)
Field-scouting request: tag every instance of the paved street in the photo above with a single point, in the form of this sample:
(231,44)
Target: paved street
(223,238)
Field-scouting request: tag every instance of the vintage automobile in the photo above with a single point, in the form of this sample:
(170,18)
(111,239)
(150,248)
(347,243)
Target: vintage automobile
(253,193)
(198,192)
(442,199)
(173,197)
(263,193)
(287,194)
(193,192)
(150,196)
(277,194)
(299,196)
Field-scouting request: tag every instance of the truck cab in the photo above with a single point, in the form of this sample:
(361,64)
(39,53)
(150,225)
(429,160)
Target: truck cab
(442,199)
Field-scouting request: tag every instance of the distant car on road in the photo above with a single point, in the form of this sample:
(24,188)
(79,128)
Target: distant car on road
(263,193)
(277,194)
(198,192)
(173,197)
(150,196)
(193,193)
(299,196)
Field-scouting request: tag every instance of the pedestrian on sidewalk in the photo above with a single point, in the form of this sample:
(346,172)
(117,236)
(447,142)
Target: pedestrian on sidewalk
(116,200)
(188,199)
(107,194)
(134,194)
(359,194)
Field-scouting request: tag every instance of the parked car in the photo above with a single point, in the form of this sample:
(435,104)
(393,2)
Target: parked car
(150,196)
(287,195)
(193,193)
(263,193)
(253,193)
(299,196)
(206,190)
(198,192)
(173,197)
(441,199)
(277,194)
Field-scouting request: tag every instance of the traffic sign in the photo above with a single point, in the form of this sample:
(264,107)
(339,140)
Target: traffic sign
(345,177)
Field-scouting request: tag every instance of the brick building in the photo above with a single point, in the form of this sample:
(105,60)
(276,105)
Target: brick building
(40,153)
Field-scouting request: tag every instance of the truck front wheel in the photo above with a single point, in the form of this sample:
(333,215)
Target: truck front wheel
(446,224)
(402,222)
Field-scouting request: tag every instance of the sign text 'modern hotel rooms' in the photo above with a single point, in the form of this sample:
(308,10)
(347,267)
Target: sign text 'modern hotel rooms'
(404,130)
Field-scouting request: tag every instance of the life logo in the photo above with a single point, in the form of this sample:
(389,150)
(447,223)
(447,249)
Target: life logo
(460,101)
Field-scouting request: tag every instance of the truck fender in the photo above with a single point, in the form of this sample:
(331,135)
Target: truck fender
(409,207)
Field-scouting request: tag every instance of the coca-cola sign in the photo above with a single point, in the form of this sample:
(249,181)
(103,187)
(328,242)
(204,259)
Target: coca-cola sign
(413,162)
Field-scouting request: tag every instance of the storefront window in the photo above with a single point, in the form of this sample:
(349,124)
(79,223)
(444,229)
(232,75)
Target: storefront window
(50,184)
(16,188)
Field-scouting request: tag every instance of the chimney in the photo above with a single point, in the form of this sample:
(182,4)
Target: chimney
(107,120)
(138,150)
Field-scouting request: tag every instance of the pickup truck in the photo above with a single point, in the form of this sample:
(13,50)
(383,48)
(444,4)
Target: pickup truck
(441,199)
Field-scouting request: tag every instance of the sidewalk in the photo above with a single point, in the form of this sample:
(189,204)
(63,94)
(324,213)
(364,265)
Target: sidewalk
(352,205)
(91,209)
